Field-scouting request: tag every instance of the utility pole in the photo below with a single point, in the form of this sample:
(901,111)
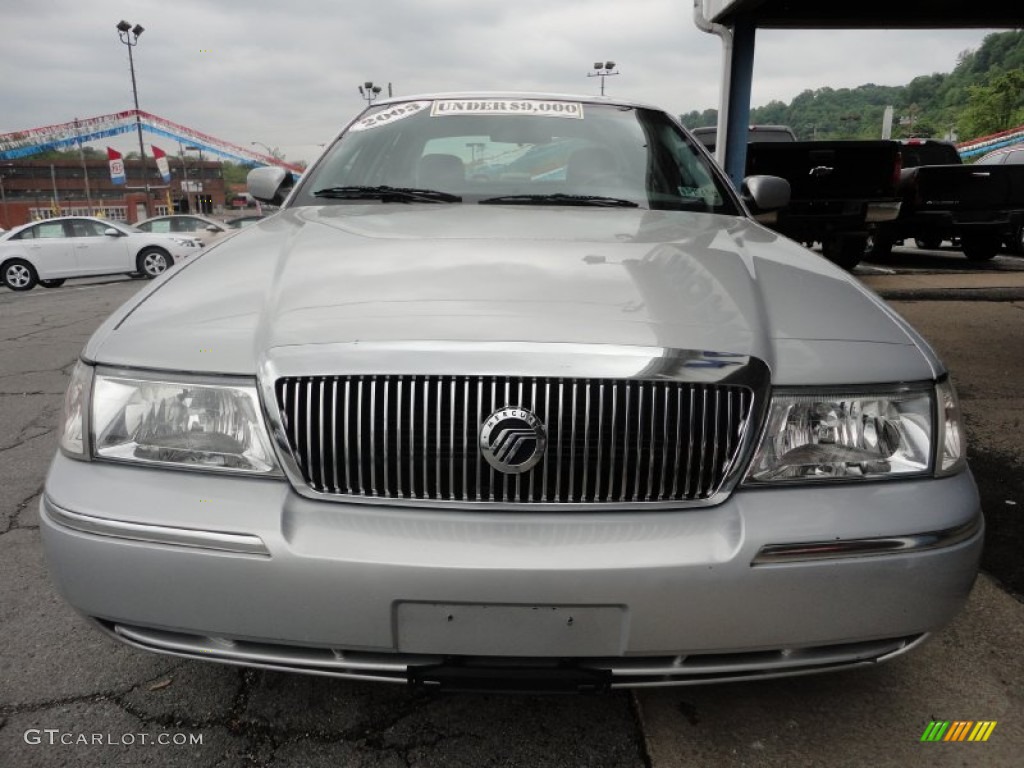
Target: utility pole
(85,168)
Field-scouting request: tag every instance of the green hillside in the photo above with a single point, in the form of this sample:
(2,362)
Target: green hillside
(982,95)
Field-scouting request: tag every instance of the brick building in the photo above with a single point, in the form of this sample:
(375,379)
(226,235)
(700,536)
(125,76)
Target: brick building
(39,189)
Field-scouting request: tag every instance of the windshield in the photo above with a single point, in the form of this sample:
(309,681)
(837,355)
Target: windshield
(515,152)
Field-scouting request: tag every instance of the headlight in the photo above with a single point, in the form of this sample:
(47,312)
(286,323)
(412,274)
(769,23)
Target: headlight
(73,426)
(197,424)
(951,454)
(859,435)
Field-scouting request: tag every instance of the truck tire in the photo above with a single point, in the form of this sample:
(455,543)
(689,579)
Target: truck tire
(1016,242)
(980,248)
(878,247)
(845,251)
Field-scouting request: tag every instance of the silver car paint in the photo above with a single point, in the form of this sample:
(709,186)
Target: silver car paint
(337,571)
(333,578)
(644,278)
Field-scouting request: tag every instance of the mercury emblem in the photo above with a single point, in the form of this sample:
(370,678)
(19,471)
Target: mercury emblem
(513,439)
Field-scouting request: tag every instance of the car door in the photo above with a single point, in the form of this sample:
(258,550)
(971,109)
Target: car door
(96,252)
(202,230)
(47,248)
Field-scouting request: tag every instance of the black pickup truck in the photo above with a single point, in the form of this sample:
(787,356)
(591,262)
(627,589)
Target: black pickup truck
(841,190)
(980,205)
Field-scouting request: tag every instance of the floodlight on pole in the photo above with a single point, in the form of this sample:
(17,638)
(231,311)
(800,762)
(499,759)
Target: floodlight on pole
(130,37)
(369,91)
(603,69)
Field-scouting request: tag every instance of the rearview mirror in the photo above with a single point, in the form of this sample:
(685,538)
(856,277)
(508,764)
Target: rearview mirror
(270,184)
(766,193)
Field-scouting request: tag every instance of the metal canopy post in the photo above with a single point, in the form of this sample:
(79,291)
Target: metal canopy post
(741,69)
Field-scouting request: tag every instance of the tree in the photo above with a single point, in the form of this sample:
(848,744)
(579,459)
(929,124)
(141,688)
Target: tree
(996,106)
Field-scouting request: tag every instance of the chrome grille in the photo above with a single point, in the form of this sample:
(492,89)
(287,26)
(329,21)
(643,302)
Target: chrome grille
(608,440)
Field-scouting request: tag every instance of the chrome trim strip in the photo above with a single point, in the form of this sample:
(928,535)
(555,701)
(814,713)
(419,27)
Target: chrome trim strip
(882,211)
(334,430)
(240,543)
(626,672)
(386,490)
(775,554)
(511,358)
(359,436)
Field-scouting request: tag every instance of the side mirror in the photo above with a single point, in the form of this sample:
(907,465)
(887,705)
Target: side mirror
(269,184)
(765,193)
(111,232)
(212,228)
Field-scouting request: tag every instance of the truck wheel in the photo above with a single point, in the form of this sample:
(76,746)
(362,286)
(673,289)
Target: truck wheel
(878,247)
(928,242)
(980,248)
(845,251)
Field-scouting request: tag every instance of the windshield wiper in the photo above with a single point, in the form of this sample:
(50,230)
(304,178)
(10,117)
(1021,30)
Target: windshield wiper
(559,199)
(386,194)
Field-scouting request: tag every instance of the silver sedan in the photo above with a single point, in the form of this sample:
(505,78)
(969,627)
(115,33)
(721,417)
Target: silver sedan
(514,392)
(49,252)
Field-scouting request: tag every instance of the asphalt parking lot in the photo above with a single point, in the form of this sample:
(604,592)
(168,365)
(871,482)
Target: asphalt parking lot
(68,696)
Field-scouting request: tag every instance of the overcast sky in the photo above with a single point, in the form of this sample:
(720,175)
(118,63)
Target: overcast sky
(285,72)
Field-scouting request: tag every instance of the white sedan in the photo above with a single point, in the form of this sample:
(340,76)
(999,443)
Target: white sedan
(48,252)
(206,231)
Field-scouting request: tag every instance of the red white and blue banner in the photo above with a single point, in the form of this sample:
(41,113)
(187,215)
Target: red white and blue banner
(161,163)
(25,143)
(116,166)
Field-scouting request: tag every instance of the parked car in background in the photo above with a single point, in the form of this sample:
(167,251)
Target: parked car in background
(576,423)
(840,189)
(206,230)
(1010,156)
(48,252)
(243,221)
(979,206)
(1005,156)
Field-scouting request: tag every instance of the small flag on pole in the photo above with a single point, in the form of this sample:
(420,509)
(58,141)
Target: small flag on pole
(116,166)
(161,163)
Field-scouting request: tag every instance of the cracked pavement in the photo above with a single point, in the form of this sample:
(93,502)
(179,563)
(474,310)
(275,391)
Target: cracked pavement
(62,680)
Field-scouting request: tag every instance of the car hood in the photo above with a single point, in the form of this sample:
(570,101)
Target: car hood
(414,273)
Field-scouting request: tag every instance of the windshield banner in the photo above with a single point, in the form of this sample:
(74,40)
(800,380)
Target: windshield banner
(450,107)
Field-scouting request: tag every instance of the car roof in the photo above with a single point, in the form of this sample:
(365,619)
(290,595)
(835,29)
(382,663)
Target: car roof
(588,98)
(20,227)
(1003,151)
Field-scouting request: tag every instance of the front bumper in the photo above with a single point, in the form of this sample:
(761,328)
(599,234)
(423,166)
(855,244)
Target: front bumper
(644,597)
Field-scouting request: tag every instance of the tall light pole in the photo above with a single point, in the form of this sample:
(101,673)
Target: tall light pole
(199,189)
(603,69)
(130,36)
(271,152)
(85,168)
